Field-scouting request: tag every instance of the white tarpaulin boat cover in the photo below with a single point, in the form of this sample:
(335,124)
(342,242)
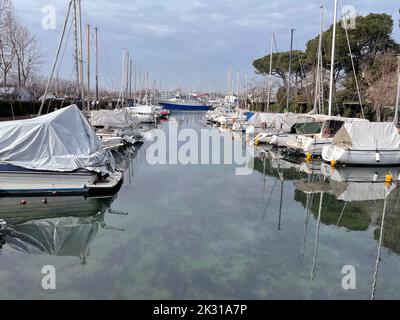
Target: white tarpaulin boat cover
(265,118)
(59,141)
(118,118)
(368,136)
(287,122)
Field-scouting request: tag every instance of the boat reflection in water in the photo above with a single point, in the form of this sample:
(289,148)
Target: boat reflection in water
(354,198)
(61,226)
(356,186)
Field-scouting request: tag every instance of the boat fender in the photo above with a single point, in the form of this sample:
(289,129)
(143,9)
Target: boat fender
(378,157)
(23,202)
(375,177)
(389,179)
(44,201)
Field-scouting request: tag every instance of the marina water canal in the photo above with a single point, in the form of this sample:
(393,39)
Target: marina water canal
(203,232)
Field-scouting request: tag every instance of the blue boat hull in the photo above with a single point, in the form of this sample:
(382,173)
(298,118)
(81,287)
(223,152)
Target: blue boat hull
(184,107)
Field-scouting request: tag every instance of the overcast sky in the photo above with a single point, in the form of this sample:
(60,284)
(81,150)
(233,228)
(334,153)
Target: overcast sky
(190,42)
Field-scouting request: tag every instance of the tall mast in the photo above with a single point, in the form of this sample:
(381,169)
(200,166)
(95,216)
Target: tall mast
(130,78)
(396,115)
(80,37)
(56,58)
(319,84)
(122,94)
(76,51)
(147,88)
(238,86)
(97,65)
(88,64)
(154,92)
(135,86)
(332,60)
(290,70)
(227,81)
(245,89)
(127,59)
(270,73)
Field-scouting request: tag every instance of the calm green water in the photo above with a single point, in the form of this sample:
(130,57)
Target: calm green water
(202,232)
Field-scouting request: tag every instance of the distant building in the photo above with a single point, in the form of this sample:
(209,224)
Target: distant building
(15,93)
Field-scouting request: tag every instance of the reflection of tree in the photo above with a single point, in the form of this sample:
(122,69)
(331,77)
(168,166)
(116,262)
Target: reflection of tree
(357,216)
(391,231)
(288,173)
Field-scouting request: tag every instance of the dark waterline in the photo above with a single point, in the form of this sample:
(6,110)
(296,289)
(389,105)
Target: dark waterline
(202,232)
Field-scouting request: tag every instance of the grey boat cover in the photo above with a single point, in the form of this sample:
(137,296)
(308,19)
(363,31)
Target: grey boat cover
(61,141)
(368,136)
(118,119)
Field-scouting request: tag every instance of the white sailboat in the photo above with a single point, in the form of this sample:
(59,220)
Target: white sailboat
(365,143)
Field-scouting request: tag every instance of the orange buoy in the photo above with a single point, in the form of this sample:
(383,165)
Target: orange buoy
(333,163)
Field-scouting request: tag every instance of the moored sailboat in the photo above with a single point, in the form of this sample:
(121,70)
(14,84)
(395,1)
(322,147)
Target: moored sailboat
(364,143)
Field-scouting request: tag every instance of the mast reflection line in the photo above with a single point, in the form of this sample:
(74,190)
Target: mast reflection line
(317,237)
(378,258)
(336,225)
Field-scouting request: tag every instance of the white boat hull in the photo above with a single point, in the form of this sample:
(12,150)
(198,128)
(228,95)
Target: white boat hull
(308,145)
(280,140)
(41,182)
(57,183)
(361,157)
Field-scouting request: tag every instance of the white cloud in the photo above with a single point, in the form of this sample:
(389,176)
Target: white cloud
(158,30)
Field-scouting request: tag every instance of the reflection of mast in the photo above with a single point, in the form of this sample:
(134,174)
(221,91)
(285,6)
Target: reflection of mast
(317,237)
(282,178)
(309,202)
(378,258)
(337,224)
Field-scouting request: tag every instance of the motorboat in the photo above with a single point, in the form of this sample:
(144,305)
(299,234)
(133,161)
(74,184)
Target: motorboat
(282,128)
(55,154)
(265,123)
(307,124)
(115,127)
(181,104)
(313,144)
(144,113)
